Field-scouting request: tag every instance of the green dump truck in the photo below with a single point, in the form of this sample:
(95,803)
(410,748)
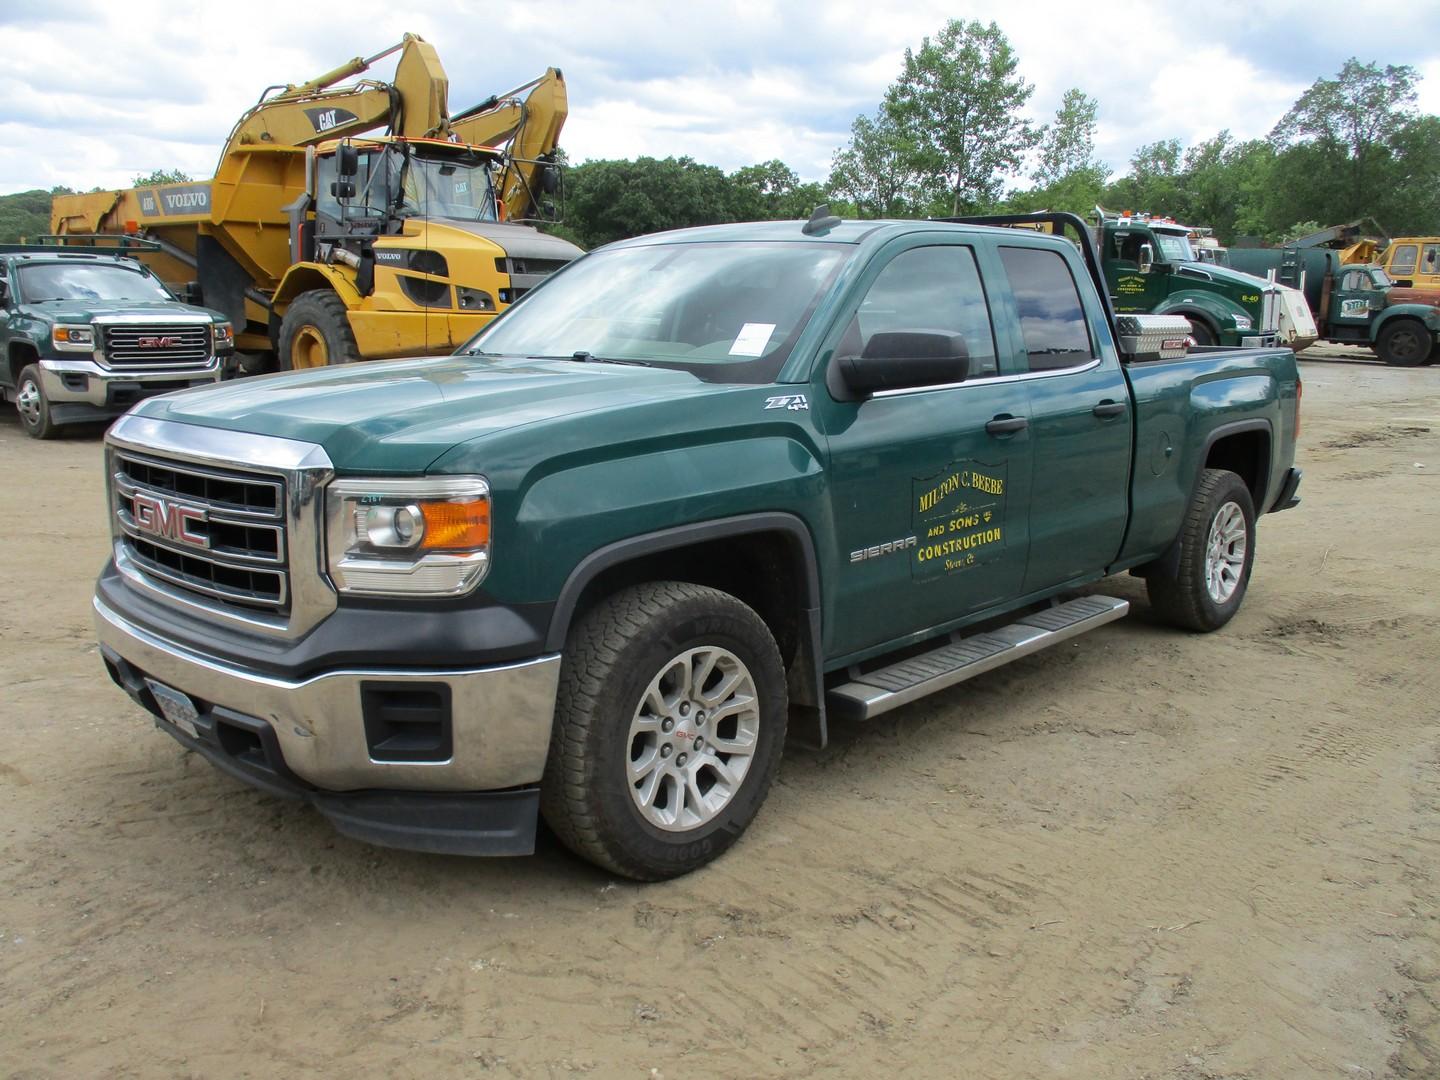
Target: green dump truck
(1353,303)
(1151,266)
(698,490)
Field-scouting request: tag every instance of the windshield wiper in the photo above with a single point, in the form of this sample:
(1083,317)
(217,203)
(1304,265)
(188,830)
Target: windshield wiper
(585,357)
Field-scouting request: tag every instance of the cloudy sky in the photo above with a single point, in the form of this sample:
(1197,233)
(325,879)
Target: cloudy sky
(93,93)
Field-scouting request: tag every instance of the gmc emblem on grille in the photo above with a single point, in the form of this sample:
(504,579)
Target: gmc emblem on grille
(168,520)
(157,342)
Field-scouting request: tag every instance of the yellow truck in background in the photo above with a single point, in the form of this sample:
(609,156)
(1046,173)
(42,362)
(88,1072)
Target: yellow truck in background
(1413,261)
(324,243)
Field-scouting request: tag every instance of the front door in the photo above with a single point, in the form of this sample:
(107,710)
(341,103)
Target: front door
(1130,289)
(929,486)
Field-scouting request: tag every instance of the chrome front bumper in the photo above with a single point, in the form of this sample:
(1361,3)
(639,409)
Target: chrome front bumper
(500,716)
(84,382)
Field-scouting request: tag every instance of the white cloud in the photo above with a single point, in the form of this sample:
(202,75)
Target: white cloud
(95,93)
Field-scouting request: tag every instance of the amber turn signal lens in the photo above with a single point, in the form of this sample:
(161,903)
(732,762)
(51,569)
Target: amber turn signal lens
(456,526)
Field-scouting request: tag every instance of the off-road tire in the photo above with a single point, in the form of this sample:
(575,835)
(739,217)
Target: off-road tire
(315,332)
(1201,332)
(32,404)
(1404,343)
(1183,598)
(613,653)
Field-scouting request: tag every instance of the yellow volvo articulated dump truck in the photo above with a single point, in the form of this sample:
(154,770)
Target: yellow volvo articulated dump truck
(324,243)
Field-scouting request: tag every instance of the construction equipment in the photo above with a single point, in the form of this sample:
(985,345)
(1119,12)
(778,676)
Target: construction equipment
(326,242)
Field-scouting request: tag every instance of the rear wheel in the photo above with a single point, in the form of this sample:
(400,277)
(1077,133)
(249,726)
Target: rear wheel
(1217,550)
(668,729)
(32,404)
(315,332)
(1404,343)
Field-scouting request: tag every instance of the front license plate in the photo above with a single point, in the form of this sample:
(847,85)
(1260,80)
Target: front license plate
(178,708)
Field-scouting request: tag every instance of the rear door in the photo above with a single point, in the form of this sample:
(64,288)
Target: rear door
(1081,426)
(929,486)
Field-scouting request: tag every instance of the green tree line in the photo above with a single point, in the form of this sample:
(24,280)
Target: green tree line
(949,137)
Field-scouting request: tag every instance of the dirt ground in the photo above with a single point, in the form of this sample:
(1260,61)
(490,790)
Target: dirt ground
(1141,855)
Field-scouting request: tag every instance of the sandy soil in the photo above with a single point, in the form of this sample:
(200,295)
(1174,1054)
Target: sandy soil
(1143,855)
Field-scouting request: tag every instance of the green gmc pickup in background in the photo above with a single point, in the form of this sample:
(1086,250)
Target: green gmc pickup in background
(693,487)
(86,334)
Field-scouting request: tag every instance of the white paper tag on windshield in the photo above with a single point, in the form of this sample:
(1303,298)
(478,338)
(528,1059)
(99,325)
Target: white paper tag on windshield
(752,339)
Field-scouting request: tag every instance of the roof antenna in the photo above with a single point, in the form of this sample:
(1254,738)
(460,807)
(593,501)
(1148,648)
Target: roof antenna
(821,221)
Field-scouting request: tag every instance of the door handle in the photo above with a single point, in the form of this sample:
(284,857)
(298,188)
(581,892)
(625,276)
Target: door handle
(1107,409)
(1007,425)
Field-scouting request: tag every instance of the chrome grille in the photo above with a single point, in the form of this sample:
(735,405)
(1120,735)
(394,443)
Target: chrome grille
(158,345)
(218,533)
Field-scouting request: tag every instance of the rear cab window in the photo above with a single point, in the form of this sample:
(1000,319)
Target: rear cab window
(1053,323)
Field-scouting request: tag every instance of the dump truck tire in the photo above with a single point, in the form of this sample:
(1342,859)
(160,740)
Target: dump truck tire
(315,332)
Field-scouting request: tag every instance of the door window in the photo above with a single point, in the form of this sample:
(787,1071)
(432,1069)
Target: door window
(1430,261)
(1403,260)
(1052,319)
(929,288)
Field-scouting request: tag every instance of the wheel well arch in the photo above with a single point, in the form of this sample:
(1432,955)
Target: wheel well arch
(1243,448)
(307,277)
(18,356)
(767,561)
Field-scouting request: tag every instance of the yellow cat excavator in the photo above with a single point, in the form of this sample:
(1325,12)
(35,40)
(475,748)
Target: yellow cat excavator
(328,243)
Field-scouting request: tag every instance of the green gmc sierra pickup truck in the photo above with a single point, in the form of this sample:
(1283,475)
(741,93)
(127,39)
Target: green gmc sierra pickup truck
(694,487)
(84,334)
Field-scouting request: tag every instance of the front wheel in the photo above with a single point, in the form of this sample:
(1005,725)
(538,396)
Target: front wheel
(32,404)
(1201,332)
(1404,343)
(668,729)
(315,332)
(1217,550)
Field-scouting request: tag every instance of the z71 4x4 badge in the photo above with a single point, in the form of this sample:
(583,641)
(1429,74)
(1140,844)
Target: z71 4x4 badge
(793,402)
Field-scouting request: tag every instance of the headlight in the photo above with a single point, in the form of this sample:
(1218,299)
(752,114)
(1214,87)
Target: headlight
(224,335)
(428,536)
(1243,322)
(73,338)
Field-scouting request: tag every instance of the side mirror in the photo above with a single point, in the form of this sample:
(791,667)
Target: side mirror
(347,161)
(1147,258)
(550,179)
(343,189)
(903,359)
(4,291)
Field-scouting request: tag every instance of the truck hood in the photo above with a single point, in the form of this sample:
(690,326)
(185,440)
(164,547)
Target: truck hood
(400,416)
(1410,294)
(76,311)
(1225,274)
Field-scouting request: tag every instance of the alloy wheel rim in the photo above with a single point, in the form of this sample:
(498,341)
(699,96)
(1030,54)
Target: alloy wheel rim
(692,738)
(1225,553)
(27,402)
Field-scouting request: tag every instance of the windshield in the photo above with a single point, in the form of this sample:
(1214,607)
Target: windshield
(728,312)
(451,185)
(1174,247)
(76,281)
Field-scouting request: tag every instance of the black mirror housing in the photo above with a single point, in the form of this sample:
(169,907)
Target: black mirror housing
(347,161)
(343,189)
(550,179)
(906,359)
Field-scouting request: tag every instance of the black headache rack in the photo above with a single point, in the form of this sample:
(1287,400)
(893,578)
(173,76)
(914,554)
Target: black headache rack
(1060,224)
